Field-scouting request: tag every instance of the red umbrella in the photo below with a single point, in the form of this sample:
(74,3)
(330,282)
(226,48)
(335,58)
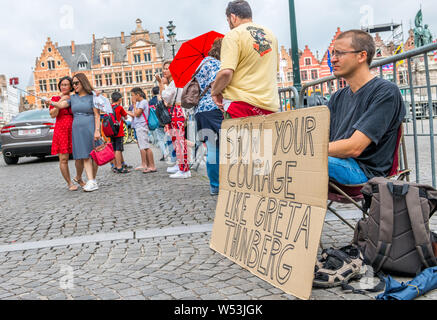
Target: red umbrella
(189,57)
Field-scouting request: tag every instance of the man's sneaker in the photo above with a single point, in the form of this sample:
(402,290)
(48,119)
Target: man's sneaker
(181,175)
(173,169)
(91,186)
(214,191)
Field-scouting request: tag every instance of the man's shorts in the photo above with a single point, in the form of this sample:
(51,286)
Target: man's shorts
(117,143)
(240,109)
(143,138)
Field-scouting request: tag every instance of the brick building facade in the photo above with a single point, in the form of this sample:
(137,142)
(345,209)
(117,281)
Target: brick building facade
(312,68)
(111,64)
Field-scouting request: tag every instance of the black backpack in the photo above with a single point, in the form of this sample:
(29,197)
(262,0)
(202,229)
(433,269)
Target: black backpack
(395,238)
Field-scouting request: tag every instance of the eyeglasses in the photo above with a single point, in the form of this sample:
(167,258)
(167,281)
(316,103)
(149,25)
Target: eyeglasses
(76,83)
(339,53)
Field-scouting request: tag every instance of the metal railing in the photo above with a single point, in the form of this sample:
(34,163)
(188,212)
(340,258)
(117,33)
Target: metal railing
(410,98)
(288,98)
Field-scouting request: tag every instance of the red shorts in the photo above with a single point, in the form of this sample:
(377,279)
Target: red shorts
(240,109)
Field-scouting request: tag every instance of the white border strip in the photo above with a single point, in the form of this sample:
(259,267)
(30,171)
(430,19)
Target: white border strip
(102,237)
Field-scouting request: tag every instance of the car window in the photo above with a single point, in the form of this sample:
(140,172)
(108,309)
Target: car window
(34,115)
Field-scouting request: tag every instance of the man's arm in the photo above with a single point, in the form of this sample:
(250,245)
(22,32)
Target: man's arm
(349,148)
(223,79)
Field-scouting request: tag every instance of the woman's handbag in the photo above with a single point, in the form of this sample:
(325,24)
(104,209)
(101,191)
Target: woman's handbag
(103,153)
(162,113)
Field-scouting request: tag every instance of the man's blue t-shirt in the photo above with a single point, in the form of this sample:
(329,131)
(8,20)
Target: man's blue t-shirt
(377,110)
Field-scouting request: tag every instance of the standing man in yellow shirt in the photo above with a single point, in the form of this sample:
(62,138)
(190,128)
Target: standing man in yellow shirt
(246,84)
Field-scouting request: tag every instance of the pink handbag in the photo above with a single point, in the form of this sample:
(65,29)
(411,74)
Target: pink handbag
(103,153)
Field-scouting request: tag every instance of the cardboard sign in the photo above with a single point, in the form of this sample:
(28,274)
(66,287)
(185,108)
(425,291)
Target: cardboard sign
(273,195)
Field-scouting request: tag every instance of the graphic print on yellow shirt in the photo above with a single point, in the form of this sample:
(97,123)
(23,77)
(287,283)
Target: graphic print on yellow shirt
(261,45)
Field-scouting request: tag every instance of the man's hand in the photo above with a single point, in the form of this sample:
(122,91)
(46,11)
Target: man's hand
(218,100)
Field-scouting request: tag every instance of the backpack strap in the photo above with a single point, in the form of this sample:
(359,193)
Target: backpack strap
(385,227)
(421,233)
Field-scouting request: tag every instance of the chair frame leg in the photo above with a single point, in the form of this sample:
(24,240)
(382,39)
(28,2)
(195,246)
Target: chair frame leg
(341,218)
(350,199)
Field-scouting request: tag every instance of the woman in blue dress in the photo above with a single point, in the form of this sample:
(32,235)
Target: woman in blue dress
(86,129)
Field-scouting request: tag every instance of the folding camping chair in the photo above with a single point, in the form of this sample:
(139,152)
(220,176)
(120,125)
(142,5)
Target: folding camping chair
(351,194)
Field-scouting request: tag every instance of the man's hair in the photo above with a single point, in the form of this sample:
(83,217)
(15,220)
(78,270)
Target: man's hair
(116,96)
(240,8)
(155,91)
(139,91)
(362,41)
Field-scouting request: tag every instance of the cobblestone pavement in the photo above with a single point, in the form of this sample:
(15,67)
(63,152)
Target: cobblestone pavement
(95,255)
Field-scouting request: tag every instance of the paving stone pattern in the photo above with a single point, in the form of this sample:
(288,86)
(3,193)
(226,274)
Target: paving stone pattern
(36,206)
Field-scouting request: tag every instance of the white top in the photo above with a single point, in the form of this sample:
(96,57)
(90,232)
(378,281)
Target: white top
(168,94)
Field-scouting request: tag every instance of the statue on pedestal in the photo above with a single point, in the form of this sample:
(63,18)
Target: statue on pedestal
(422,35)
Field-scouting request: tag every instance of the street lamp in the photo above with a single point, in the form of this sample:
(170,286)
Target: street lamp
(171,36)
(294,47)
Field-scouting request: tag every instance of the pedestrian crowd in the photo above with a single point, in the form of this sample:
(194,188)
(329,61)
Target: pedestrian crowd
(237,79)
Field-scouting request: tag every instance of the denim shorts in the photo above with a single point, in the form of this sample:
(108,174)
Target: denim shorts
(346,171)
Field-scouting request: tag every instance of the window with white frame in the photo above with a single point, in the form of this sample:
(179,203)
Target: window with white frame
(98,80)
(82,65)
(108,79)
(149,75)
(137,58)
(147,57)
(43,85)
(51,64)
(118,79)
(53,85)
(139,76)
(128,77)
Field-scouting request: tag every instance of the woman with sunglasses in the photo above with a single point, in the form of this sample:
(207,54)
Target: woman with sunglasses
(62,136)
(85,129)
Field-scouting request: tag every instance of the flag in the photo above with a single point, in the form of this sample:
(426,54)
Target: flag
(387,67)
(329,62)
(418,19)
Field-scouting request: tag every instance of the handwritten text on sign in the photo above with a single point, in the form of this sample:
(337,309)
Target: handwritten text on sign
(273,193)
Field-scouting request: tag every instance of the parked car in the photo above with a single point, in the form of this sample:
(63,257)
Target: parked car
(29,134)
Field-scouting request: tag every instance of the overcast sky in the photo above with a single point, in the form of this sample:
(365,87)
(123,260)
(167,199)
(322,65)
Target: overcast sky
(26,24)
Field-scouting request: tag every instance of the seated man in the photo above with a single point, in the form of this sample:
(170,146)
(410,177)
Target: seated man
(365,116)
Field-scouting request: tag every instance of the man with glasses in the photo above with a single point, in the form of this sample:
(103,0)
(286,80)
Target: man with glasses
(365,116)
(246,84)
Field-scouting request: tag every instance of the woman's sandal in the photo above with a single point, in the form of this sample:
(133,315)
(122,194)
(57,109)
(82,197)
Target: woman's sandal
(73,187)
(338,266)
(149,171)
(79,182)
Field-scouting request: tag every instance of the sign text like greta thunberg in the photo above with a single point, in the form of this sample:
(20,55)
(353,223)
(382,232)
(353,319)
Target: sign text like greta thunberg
(273,195)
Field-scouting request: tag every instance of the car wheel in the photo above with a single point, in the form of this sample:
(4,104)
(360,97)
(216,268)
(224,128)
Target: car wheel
(10,160)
